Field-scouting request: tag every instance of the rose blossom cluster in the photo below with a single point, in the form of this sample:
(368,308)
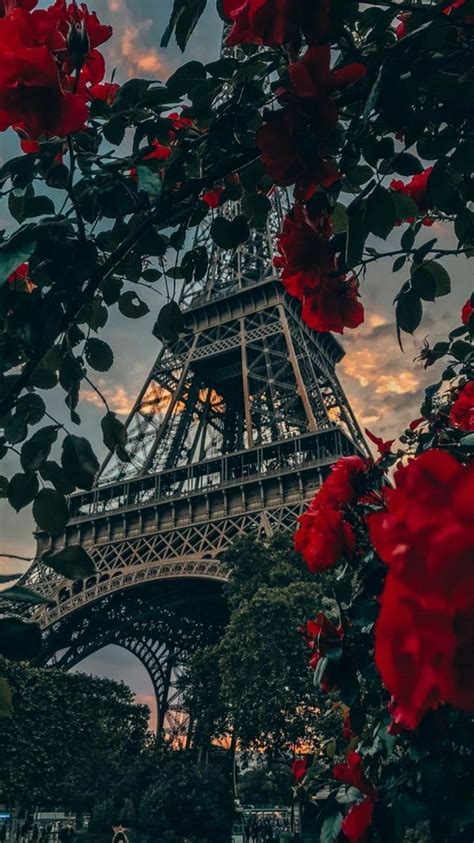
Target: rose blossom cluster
(322,637)
(424,640)
(324,535)
(359,817)
(295,141)
(309,273)
(50,68)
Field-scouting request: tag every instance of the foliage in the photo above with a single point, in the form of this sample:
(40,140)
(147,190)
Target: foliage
(187,801)
(396,646)
(266,785)
(68,738)
(254,682)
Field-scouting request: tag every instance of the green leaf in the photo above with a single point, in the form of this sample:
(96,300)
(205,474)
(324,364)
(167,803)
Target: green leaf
(186,77)
(256,207)
(114,130)
(50,511)
(380,214)
(407,164)
(399,263)
(39,206)
(228,234)
(405,206)
(356,236)
(408,311)
(423,283)
(19,639)
(13,253)
(464,226)
(53,473)
(79,462)
(22,488)
(462,158)
(330,828)
(73,562)
(148,181)
(407,239)
(441,282)
(6,708)
(98,354)
(115,434)
(339,219)
(169,324)
(17,201)
(43,379)
(132,306)
(424,250)
(187,20)
(461,350)
(3,486)
(31,407)
(360,174)
(36,450)
(22,594)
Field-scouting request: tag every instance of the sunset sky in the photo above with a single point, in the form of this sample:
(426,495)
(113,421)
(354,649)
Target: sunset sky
(383,384)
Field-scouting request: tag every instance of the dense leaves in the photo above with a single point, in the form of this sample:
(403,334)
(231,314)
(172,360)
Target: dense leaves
(394,651)
(68,737)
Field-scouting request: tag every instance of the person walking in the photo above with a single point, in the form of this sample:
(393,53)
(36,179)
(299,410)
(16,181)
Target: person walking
(247,830)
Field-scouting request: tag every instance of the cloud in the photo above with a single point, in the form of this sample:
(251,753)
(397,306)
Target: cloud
(132,48)
(117,397)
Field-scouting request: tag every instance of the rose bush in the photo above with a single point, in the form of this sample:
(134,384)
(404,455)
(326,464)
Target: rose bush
(400,657)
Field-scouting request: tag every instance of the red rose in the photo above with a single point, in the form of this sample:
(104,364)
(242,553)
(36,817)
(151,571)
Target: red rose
(20,281)
(467,310)
(462,411)
(312,77)
(287,158)
(383,447)
(306,256)
(422,527)
(352,774)
(343,484)
(212,197)
(424,634)
(105,91)
(48,57)
(323,536)
(322,637)
(32,98)
(356,823)
(299,768)
(179,120)
(334,305)
(276,22)
(323,539)
(347,730)
(416,188)
(7,6)
(424,647)
(159,151)
(401,28)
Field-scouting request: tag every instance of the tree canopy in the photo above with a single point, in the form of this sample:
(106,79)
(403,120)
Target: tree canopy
(68,738)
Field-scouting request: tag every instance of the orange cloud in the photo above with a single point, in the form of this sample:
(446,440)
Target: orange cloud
(138,58)
(117,398)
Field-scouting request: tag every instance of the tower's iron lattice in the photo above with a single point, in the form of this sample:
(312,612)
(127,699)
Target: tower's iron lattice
(235,428)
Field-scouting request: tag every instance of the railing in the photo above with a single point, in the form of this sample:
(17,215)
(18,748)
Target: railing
(261,462)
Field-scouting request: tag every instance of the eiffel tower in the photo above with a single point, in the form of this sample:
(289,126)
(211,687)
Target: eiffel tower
(234,429)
